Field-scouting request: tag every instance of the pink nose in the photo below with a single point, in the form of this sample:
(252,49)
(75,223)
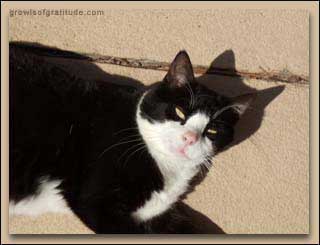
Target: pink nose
(190,137)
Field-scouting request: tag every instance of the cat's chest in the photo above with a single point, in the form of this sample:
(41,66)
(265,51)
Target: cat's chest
(175,185)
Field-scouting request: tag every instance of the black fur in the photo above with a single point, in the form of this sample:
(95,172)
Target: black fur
(61,126)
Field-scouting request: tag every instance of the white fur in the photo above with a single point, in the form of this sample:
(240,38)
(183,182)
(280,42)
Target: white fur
(47,199)
(175,185)
(176,169)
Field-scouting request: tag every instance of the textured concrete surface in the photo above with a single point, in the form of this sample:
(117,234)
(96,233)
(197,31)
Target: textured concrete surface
(261,184)
(271,39)
(48,224)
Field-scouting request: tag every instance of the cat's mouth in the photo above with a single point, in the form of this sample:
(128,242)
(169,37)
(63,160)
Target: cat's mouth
(180,151)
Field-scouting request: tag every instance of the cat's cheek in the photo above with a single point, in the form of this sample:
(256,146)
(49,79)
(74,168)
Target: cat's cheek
(171,148)
(165,145)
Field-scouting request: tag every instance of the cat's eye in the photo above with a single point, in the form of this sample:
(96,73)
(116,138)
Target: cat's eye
(211,131)
(179,113)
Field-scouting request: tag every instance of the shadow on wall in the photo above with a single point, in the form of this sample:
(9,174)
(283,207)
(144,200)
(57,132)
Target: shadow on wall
(233,86)
(226,85)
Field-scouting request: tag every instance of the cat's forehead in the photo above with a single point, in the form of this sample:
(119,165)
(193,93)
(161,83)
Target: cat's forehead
(198,120)
(200,99)
(200,95)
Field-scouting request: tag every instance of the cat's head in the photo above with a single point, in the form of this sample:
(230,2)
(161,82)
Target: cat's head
(183,120)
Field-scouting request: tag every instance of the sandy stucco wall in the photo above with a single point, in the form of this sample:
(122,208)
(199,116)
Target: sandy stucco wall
(259,185)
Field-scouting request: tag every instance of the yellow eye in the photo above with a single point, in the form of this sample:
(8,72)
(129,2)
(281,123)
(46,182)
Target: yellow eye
(212,131)
(180,114)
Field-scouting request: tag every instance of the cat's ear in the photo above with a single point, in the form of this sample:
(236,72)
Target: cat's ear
(180,71)
(241,103)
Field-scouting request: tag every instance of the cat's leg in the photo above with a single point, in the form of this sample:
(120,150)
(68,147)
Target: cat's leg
(105,219)
(182,219)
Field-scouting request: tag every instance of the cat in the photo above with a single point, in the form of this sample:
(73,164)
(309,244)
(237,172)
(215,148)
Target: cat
(121,158)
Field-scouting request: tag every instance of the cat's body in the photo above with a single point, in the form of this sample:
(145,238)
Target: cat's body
(96,148)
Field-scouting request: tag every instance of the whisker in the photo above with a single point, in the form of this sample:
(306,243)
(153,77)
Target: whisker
(134,135)
(188,87)
(131,155)
(203,172)
(126,129)
(145,149)
(193,97)
(130,148)
(117,144)
(208,162)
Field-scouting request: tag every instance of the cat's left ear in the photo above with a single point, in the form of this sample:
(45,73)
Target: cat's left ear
(180,71)
(242,102)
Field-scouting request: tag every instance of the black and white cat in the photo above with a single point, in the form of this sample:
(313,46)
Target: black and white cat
(122,159)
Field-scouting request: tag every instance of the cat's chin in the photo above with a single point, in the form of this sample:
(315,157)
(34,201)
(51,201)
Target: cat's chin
(179,152)
(182,154)
(185,158)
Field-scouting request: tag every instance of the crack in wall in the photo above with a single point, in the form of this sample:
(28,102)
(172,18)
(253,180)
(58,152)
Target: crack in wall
(284,75)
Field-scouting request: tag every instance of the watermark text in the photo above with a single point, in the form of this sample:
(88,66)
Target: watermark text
(55,12)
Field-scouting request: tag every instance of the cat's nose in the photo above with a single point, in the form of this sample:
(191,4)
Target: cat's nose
(190,137)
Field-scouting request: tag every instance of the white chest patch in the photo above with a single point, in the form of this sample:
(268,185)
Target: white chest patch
(176,171)
(174,186)
(48,199)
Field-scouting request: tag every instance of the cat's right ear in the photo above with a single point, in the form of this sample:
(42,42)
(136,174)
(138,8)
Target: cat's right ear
(180,71)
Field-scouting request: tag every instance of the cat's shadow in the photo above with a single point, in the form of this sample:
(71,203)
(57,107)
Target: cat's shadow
(234,85)
(226,85)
